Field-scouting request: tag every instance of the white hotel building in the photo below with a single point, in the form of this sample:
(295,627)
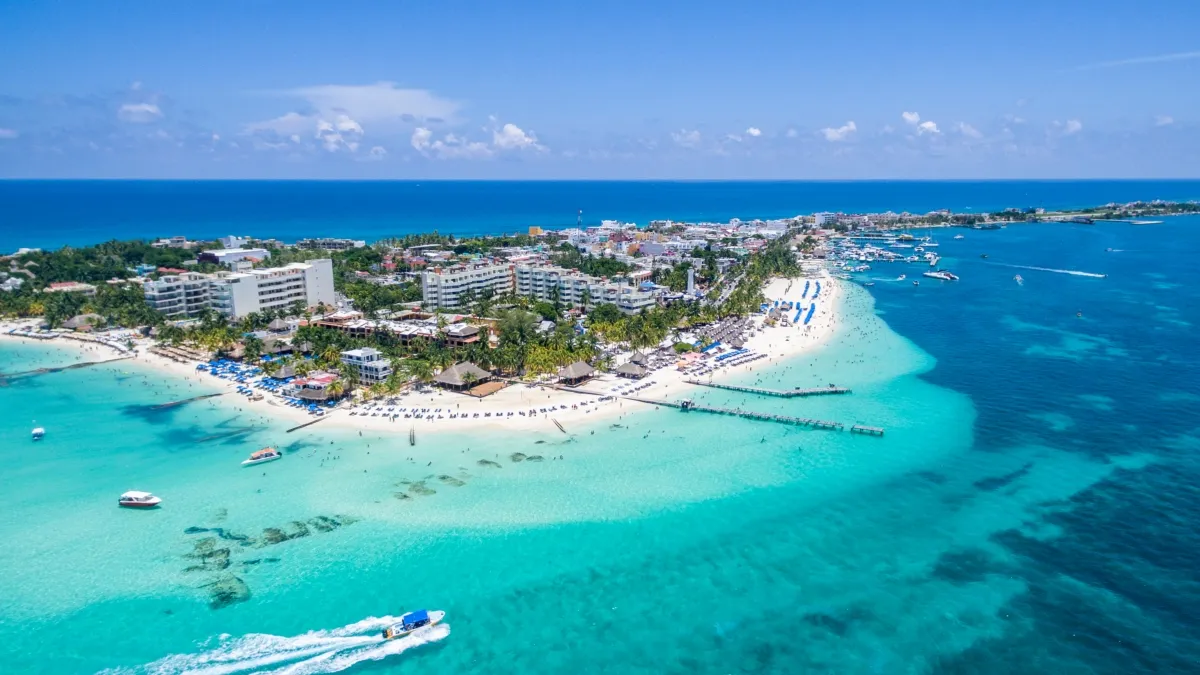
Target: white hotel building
(573,287)
(372,366)
(444,288)
(239,294)
(310,283)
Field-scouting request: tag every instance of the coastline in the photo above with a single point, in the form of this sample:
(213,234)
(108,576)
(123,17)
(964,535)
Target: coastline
(775,343)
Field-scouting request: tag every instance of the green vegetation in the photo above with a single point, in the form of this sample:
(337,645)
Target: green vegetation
(570,257)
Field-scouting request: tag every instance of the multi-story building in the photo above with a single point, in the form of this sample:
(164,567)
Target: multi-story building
(228,256)
(329,244)
(444,288)
(239,294)
(370,363)
(571,287)
(179,296)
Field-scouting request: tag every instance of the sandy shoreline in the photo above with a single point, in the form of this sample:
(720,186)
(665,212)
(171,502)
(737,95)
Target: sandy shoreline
(776,343)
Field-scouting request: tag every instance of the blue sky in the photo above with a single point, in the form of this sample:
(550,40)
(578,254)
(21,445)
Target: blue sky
(614,89)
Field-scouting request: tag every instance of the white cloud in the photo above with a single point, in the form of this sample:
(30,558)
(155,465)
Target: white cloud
(911,117)
(1161,58)
(840,133)
(685,138)
(290,123)
(342,133)
(512,137)
(792,133)
(139,112)
(1163,120)
(448,147)
(968,130)
(1072,127)
(295,138)
(754,131)
(382,101)
(8,134)
(927,127)
(378,151)
(136,85)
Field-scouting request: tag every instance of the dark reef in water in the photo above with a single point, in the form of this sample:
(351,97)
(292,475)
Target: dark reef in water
(998,482)
(206,556)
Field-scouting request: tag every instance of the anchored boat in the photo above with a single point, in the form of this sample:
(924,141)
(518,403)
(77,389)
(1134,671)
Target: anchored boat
(411,622)
(135,499)
(39,433)
(263,456)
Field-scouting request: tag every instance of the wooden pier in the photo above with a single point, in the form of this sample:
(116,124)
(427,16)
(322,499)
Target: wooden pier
(863,429)
(309,424)
(781,393)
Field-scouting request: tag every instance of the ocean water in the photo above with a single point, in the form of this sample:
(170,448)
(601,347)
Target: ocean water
(1031,508)
(53,213)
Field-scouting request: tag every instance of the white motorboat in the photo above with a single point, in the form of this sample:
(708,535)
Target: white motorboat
(135,499)
(1020,281)
(412,622)
(900,278)
(263,456)
(959,236)
(943,275)
(39,433)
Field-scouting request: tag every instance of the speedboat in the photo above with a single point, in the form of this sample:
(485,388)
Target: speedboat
(1019,280)
(412,622)
(900,278)
(959,236)
(39,433)
(943,275)
(138,500)
(263,456)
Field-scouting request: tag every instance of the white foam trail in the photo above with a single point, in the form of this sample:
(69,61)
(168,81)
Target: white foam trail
(321,651)
(1051,269)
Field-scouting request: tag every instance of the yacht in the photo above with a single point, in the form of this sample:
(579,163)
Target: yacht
(39,433)
(942,274)
(138,500)
(263,456)
(411,622)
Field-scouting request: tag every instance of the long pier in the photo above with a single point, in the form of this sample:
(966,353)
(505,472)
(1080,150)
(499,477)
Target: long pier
(828,425)
(781,393)
(309,424)
(173,404)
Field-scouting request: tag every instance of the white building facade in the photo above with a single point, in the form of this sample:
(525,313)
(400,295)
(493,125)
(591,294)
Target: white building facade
(444,288)
(310,283)
(573,288)
(370,363)
(179,296)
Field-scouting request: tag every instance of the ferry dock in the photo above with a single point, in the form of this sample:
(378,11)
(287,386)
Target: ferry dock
(780,393)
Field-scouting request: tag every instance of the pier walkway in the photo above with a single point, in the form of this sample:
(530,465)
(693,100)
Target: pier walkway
(687,406)
(781,393)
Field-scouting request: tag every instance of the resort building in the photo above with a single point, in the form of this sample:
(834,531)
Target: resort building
(573,288)
(229,256)
(179,296)
(372,366)
(328,244)
(309,283)
(444,288)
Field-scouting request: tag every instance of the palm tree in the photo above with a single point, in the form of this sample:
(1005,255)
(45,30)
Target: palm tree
(336,389)
(252,347)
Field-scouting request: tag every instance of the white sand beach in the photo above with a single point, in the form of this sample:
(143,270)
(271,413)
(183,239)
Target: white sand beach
(520,406)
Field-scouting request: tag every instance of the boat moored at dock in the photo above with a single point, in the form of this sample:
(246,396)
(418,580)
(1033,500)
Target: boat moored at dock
(412,622)
(135,499)
(263,456)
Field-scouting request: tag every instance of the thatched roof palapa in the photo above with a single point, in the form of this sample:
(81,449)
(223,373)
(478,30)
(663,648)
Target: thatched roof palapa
(459,374)
(631,370)
(638,358)
(277,325)
(576,371)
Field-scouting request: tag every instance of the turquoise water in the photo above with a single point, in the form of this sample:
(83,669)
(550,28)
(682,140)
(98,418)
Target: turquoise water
(1031,508)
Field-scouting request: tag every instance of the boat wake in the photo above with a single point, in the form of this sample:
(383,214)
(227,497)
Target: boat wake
(322,651)
(1051,269)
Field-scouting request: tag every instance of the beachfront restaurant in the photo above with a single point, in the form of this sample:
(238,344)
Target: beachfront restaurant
(314,387)
(575,374)
(468,378)
(631,370)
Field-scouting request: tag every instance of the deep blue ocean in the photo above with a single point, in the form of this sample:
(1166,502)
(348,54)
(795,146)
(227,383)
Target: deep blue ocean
(54,213)
(1033,507)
